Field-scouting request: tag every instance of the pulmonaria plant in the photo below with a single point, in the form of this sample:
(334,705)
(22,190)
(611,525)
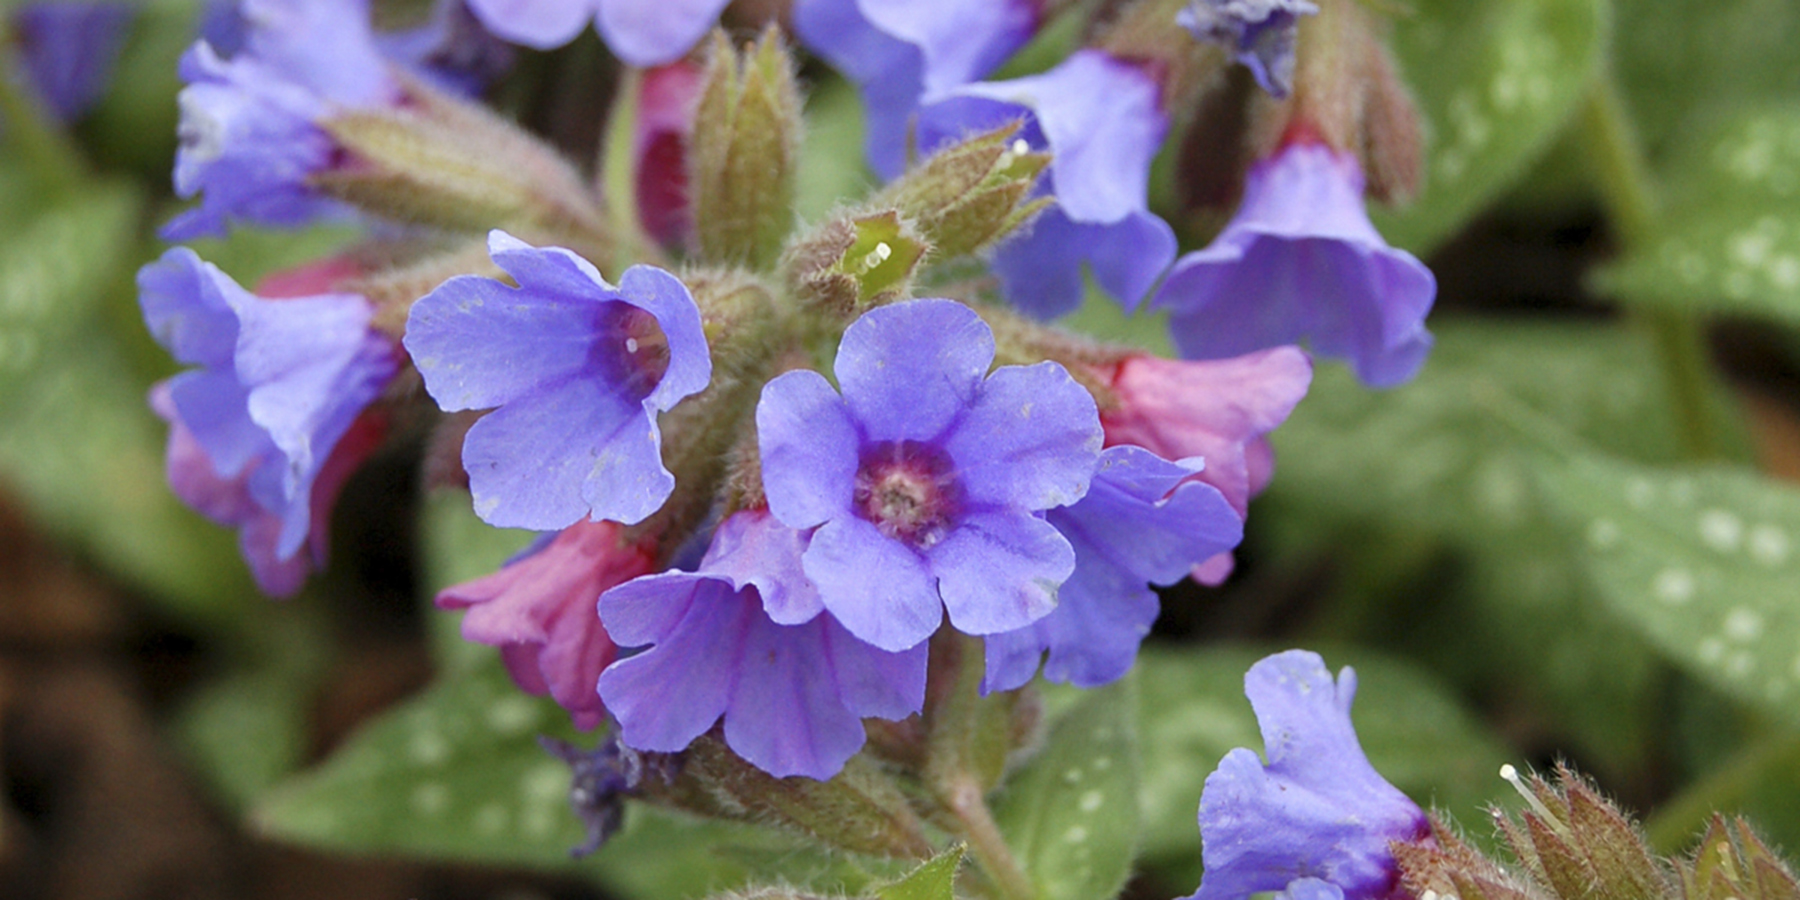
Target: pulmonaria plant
(266,428)
(575,371)
(927,475)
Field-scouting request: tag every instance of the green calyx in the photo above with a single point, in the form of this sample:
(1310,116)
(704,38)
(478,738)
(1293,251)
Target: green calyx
(744,152)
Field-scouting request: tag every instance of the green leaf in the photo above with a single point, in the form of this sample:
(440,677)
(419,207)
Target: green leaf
(1071,814)
(246,731)
(1436,477)
(935,880)
(1729,241)
(54,273)
(1704,562)
(455,773)
(82,449)
(1495,82)
(1685,62)
(1194,712)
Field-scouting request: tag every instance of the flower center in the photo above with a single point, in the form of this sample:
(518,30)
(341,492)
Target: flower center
(637,347)
(909,491)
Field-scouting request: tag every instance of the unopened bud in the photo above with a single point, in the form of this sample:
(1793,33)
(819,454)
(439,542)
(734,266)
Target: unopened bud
(853,263)
(744,151)
(972,194)
(441,161)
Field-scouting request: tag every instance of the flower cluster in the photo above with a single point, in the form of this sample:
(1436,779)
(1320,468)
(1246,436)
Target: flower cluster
(796,481)
(1299,262)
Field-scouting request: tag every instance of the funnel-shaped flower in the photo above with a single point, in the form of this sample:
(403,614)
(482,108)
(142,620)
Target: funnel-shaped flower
(1220,411)
(1101,119)
(792,696)
(640,32)
(1143,521)
(1317,810)
(278,386)
(926,478)
(250,136)
(539,610)
(575,371)
(1301,262)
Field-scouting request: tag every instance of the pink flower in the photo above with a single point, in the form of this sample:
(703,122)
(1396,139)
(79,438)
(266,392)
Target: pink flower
(539,609)
(1219,410)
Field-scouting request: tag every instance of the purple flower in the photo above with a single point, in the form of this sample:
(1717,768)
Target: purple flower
(249,129)
(1316,811)
(69,50)
(1041,270)
(279,386)
(575,371)
(640,32)
(539,610)
(792,694)
(599,779)
(1101,119)
(926,479)
(900,52)
(1143,521)
(1260,33)
(1300,260)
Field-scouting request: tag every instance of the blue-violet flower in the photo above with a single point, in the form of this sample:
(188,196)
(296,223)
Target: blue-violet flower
(640,32)
(1101,120)
(278,386)
(249,128)
(1316,811)
(792,694)
(1259,33)
(1300,260)
(1145,520)
(926,479)
(575,371)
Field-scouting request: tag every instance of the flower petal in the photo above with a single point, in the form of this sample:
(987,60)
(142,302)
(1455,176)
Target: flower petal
(877,587)
(999,571)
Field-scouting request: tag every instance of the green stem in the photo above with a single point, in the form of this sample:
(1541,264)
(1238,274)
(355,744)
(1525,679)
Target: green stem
(955,750)
(618,172)
(1680,820)
(1628,193)
(964,799)
(44,146)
